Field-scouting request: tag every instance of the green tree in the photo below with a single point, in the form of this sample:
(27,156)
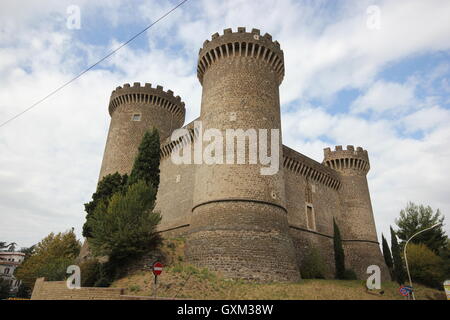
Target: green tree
(387,256)
(106,187)
(415,218)
(28,251)
(339,256)
(444,253)
(399,270)
(146,164)
(50,259)
(425,266)
(127,226)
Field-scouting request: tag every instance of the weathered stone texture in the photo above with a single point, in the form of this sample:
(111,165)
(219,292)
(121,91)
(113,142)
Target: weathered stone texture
(237,221)
(57,290)
(155,107)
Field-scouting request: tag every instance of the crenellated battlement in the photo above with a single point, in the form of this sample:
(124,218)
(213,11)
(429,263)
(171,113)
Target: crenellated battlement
(148,95)
(310,169)
(241,44)
(347,159)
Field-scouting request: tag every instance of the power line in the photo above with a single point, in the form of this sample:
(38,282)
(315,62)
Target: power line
(94,65)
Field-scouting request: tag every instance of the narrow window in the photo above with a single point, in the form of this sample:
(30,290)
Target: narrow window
(310,218)
(136,117)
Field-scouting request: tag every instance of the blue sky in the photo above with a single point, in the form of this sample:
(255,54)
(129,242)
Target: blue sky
(386,89)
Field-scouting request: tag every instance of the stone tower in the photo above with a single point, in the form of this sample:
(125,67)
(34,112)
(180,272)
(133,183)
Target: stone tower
(134,110)
(356,223)
(239,218)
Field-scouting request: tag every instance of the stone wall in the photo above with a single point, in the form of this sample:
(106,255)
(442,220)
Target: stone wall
(175,194)
(156,109)
(322,196)
(57,290)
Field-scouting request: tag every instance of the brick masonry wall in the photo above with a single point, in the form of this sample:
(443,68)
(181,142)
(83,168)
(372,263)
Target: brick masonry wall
(239,221)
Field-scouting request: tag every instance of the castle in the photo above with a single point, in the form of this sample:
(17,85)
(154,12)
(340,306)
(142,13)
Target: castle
(235,220)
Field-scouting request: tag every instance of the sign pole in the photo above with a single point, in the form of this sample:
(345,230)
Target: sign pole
(156,284)
(157,269)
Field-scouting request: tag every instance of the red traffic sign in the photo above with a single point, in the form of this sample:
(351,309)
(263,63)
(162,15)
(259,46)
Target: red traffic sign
(405,290)
(157,268)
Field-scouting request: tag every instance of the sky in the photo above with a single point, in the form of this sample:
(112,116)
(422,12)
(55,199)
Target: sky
(374,74)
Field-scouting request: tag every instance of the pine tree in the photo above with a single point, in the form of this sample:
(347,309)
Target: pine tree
(387,256)
(127,226)
(399,270)
(106,187)
(339,256)
(415,218)
(146,164)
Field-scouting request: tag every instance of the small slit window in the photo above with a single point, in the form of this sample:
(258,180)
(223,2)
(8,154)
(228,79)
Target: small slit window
(310,218)
(136,117)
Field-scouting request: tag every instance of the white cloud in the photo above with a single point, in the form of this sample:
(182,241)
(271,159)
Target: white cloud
(386,96)
(426,119)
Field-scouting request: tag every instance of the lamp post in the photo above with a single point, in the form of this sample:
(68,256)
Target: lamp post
(406,259)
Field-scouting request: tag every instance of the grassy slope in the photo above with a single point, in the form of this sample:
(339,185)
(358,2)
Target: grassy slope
(185,281)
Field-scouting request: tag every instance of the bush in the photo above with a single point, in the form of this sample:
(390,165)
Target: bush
(102,282)
(349,274)
(134,288)
(107,273)
(313,266)
(90,272)
(425,266)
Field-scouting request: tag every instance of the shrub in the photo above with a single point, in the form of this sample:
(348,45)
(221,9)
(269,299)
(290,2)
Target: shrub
(313,266)
(102,282)
(134,288)
(349,274)
(425,266)
(90,272)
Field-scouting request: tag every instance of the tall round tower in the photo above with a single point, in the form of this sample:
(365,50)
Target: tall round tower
(134,110)
(239,219)
(357,224)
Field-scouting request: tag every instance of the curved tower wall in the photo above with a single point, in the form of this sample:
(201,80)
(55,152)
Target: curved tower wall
(134,110)
(356,223)
(239,219)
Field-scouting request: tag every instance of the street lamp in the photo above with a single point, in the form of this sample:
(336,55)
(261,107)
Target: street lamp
(406,259)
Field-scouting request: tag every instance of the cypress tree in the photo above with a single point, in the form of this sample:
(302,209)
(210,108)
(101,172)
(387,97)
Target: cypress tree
(339,256)
(387,256)
(399,270)
(146,164)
